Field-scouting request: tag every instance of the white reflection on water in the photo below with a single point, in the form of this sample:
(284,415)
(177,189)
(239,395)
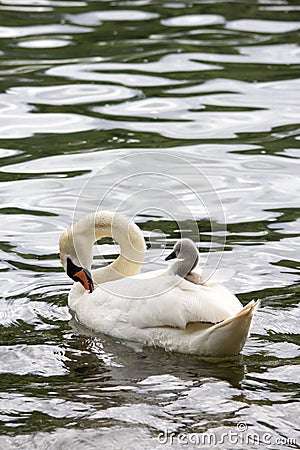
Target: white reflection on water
(110,438)
(24,125)
(44,43)
(194,20)
(55,407)
(72,94)
(263,26)
(262,54)
(125,73)
(97,17)
(14,32)
(44,360)
(17,120)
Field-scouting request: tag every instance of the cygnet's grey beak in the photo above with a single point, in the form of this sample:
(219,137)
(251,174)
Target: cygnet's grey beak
(171,256)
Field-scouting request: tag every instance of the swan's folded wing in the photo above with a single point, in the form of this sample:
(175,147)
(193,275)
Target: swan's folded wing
(210,277)
(182,304)
(221,275)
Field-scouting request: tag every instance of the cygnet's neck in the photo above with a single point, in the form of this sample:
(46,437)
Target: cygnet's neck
(187,258)
(182,267)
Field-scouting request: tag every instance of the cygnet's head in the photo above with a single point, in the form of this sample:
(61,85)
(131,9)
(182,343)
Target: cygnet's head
(187,256)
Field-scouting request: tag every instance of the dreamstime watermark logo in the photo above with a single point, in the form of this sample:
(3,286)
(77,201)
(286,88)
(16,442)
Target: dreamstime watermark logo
(241,435)
(160,187)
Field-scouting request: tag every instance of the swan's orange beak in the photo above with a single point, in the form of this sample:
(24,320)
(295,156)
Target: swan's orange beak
(80,274)
(85,279)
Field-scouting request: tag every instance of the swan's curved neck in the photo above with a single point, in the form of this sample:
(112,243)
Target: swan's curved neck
(77,244)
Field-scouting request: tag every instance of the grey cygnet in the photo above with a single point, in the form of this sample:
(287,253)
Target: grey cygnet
(187,258)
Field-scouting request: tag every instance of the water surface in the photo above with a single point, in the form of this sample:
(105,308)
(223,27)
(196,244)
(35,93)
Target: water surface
(95,96)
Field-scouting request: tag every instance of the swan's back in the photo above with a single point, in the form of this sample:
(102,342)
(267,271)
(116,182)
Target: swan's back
(166,300)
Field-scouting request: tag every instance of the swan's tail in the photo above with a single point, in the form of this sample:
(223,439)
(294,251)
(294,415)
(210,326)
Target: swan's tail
(229,337)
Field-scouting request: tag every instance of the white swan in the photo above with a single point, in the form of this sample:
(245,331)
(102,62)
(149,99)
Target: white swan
(159,308)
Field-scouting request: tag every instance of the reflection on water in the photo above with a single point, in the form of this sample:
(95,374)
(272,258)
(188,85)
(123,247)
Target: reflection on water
(92,90)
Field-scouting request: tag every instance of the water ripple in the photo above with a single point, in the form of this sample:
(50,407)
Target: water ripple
(263,26)
(44,43)
(18,122)
(72,94)
(97,17)
(43,360)
(194,20)
(15,32)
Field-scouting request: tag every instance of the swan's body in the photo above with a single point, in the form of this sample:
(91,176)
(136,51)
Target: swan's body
(161,308)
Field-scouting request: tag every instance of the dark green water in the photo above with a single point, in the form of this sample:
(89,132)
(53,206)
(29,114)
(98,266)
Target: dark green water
(95,95)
